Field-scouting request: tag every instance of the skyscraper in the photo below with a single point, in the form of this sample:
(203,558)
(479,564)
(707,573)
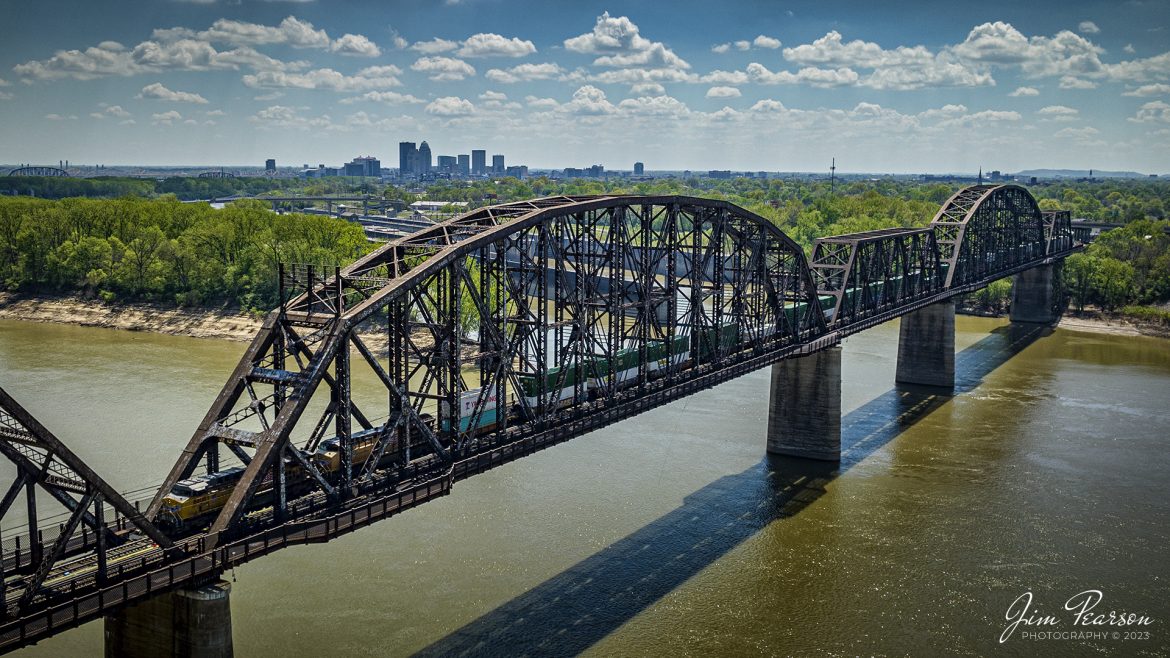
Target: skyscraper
(497,164)
(423,159)
(478,162)
(270,164)
(639,169)
(446,164)
(406,152)
(367,166)
(464,164)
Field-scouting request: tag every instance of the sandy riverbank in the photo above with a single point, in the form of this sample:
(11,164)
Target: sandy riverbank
(198,323)
(1111,326)
(227,325)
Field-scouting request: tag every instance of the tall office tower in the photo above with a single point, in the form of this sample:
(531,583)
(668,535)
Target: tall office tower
(423,160)
(270,164)
(406,154)
(367,166)
(497,164)
(639,169)
(464,164)
(446,164)
(478,162)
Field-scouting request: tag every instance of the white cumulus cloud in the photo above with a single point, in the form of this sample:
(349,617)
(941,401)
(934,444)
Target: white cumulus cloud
(434,46)
(619,43)
(450,106)
(487,44)
(1153,112)
(386,97)
(525,73)
(166,118)
(724,92)
(355,45)
(1149,90)
(763,41)
(373,77)
(157,91)
(589,101)
(443,69)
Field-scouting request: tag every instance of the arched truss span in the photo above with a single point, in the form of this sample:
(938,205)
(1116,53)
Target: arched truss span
(502,323)
(52,172)
(217,174)
(984,229)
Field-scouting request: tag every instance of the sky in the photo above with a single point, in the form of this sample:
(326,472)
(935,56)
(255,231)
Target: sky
(901,87)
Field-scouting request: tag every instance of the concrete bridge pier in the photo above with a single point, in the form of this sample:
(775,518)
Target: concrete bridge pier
(188,623)
(1034,295)
(926,346)
(804,415)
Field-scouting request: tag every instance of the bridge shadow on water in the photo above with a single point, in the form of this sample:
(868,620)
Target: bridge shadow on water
(580,606)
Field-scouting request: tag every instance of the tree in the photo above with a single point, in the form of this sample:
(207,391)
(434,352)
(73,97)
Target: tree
(1079,272)
(1113,283)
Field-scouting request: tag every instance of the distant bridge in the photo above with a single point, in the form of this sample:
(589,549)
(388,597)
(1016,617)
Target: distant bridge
(510,328)
(51,172)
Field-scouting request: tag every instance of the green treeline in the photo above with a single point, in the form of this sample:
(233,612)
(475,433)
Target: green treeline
(182,187)
(1125,266)
(147,246)
(163,250)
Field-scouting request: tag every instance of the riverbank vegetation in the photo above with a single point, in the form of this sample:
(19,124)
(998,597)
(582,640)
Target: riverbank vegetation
(162,250)
(146,245)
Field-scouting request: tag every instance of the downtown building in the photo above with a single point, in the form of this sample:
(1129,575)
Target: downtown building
(367,166)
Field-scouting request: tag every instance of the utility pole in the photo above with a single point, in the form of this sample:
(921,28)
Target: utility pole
(833,177)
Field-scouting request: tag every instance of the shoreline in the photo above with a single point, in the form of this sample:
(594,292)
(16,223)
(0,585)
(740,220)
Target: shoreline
(194,323)
(224,324)
(1111,326)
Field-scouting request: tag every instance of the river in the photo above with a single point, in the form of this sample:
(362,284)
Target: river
(671,533)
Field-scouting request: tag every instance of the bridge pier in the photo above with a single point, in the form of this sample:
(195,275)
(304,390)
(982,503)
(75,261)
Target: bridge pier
(191,623)
(1034,295)
(926,346)
(804,414)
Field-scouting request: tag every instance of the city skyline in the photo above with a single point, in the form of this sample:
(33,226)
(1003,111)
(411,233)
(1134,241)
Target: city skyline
(751,87)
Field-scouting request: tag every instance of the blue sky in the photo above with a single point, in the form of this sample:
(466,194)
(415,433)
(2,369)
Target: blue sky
(777,86)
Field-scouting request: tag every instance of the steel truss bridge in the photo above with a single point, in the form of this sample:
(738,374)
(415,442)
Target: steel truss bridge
(490,336)
(53,172)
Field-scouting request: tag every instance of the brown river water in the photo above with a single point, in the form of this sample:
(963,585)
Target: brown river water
(672,533)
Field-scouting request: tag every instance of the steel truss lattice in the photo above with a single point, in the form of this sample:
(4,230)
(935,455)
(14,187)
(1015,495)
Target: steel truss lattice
(524,312)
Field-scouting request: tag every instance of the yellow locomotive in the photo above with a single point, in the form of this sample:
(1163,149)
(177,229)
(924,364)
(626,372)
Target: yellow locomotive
(198,496)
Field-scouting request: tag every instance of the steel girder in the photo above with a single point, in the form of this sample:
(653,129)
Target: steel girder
(519,312)
(42,461)
(987,228)
(869,273)
(1058,231)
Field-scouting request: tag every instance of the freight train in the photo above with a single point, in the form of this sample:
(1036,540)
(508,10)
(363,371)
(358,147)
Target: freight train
(196,500)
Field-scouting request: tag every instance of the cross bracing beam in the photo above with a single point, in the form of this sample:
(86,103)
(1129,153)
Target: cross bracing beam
(862,274)
(985,228)
(43,462)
